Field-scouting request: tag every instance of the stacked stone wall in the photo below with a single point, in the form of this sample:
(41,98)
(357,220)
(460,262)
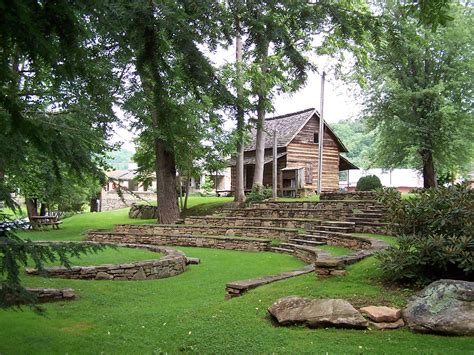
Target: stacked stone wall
(231,243)
(230,221)
(360,195)
(348,241)
(208,230)
(348,205)
(43,295)
(173,263)
(110,200)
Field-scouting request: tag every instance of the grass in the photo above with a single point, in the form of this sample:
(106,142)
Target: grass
(187,313)
(386,238)
(112,256)
(335,251)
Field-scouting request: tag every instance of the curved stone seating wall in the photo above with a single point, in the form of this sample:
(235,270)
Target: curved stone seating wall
(231,221)
(172,264)
(44,295)
(231,243)
(207,230)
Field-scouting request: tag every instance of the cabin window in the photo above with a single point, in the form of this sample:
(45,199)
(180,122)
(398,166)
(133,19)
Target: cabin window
(308,173)
(316,137)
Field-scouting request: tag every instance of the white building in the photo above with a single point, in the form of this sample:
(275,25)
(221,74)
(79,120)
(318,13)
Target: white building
(404,180)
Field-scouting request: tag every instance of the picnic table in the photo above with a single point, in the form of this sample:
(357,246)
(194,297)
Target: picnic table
(40,222)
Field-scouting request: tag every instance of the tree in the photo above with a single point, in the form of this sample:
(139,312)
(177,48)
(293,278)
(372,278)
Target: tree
(279,38)
(160,44)
(55,102)
(359,140)
(418,93)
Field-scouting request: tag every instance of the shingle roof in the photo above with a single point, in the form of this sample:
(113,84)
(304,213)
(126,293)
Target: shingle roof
(287,127)
(251,160)
(121,174)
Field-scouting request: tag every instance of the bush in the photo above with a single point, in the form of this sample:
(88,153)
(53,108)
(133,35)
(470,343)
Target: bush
(368,183)
(437,235)
(258,193)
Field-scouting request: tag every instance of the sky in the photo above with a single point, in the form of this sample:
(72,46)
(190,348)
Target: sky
(339,99)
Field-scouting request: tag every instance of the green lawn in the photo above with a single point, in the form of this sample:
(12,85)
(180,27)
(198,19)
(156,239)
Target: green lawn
(112,256)
(187,313)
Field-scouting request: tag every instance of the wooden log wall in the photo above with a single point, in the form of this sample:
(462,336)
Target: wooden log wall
(302,151)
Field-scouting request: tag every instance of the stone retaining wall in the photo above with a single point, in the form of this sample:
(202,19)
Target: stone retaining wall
(333,215)
(348,205)
(283,234)
(173,263)
(374,227)
(348,241)
(231,243)
(335,266)
(44,295)
(230,221)
(360,195)
(110,200)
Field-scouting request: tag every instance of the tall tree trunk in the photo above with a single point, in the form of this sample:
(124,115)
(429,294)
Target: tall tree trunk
(429,173)
(260,141)
(188,182)
(239,195)
(166,196)
(43,209)
(180,185)
(31,207)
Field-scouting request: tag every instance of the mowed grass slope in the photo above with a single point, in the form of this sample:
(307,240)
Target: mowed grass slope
(187,313)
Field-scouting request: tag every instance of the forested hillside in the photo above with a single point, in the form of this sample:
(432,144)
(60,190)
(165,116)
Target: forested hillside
(119,159)
(357,139)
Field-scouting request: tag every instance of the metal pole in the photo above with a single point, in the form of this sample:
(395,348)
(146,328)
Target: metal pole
(275,166)
(321,136)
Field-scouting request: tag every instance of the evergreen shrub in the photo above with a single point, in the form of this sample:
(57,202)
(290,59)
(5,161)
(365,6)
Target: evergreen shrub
(437,235)
(368,183)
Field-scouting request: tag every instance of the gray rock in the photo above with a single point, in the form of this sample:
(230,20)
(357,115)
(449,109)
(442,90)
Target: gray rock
(143,212)
(317,313)
(103,276)
(140,275)
(444,306)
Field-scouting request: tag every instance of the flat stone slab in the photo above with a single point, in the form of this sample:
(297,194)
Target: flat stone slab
(443,307)
(382,313)
(388,325)
(252,283)
(316,313)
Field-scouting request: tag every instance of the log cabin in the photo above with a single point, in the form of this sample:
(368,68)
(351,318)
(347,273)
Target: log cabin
(297,155)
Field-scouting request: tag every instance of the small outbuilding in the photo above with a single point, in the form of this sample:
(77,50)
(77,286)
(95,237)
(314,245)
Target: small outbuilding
(297,153)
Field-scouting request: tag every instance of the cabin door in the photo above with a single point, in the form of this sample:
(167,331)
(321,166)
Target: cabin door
(248,176)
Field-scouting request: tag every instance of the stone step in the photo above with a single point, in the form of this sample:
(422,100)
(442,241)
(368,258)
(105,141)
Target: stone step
(338,223)
(328,228)
(322,233)
(307,242)
(282,250)
(362,220)
(295,246)
(314,237)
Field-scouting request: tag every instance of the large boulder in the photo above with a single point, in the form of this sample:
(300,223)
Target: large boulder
(444,307)
(143,212)
(317,313)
